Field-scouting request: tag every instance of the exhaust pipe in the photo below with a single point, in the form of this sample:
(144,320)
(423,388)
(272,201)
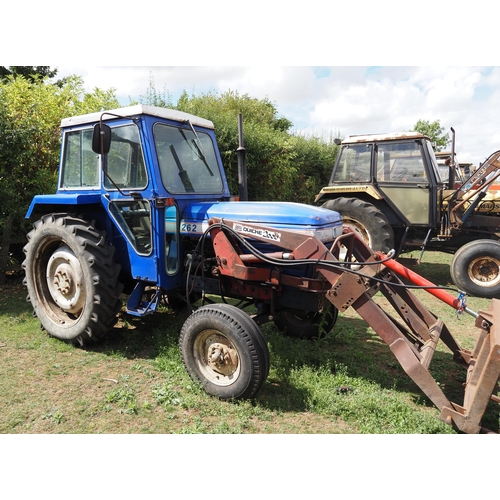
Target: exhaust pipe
(452,177)
(242,166)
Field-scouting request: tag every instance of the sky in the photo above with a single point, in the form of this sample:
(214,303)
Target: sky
(337,101)
(332,68)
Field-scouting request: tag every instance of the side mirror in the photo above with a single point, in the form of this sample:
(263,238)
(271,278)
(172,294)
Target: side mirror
(101,139)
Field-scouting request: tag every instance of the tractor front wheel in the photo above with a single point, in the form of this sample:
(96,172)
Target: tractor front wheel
(224,350)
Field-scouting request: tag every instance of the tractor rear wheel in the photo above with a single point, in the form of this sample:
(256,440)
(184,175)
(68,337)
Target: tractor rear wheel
(224,350)
(475,268)
(72,279)
(366,220)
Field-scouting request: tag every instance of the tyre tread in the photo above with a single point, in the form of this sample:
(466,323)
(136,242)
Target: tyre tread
(382,231)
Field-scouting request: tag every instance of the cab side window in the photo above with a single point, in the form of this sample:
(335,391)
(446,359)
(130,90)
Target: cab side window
(125,161)
(80,165)
(400,163)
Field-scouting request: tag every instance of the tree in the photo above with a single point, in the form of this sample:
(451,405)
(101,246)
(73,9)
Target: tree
(30,115)
(313,161)
(434,131)
(155,97)
(28,72)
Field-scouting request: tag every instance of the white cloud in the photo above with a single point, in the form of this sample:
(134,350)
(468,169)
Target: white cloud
(338,99)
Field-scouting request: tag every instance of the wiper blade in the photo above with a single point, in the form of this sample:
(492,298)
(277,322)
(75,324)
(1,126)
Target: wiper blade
(200,149)
(198,146)
(186,182)
(202,156)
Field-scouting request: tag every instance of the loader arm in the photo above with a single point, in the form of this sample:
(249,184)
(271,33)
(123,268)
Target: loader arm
(412,332)
(473,190)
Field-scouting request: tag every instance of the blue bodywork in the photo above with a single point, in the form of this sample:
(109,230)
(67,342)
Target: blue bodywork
(165,182)
(284,215)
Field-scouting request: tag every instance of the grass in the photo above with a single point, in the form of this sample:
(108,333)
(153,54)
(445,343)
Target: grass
(133,382)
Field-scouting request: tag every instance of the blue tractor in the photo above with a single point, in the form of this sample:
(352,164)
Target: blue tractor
(139,190)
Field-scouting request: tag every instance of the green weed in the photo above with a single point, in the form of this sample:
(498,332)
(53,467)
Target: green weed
(134,381)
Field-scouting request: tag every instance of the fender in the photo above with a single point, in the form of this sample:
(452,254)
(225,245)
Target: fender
(46,203)
(342,189)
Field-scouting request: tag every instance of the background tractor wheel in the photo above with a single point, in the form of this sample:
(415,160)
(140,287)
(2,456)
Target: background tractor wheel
(475,268)
(366,220)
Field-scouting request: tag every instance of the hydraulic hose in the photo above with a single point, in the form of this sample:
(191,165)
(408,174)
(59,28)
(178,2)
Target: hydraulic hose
(415,278)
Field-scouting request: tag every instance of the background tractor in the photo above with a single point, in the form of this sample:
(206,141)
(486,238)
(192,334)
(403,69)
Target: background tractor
(393,192)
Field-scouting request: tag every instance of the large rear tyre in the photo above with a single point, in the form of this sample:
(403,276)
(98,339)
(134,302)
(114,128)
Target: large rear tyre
(475,268)
(366,220)
(72,279)
(307,325)
(224,350)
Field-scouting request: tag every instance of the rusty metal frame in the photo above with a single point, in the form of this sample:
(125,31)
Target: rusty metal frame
(412,337)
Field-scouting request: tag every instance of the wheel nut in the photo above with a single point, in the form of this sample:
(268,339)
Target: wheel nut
(61,281)
(217,356)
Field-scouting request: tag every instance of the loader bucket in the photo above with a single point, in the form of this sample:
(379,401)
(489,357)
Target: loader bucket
(483,363)
(414,339)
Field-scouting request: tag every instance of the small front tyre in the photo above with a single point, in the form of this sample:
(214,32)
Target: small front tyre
(475,268)
(224,350)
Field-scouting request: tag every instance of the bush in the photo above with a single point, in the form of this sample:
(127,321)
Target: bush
(31,110)
(281,166)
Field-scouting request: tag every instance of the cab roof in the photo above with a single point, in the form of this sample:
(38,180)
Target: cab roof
(383,137)
(139,109)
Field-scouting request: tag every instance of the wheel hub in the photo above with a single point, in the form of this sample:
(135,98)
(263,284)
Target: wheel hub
(221,358)
(64,280)
(216,357)
(485,271)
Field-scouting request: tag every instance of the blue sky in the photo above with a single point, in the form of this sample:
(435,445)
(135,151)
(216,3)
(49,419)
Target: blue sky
(338,100)
(330,67)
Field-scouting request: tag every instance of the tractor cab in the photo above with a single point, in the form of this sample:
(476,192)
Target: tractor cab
(398,168)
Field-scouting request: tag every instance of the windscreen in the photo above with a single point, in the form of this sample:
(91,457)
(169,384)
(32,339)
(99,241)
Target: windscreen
(188,163)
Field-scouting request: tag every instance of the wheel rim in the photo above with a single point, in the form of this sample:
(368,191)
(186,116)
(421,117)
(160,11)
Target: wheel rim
(59,283)
(65,280)
(358,228)
(485,271)
(216,357)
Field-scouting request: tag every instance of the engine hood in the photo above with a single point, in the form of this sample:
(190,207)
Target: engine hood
(325,224)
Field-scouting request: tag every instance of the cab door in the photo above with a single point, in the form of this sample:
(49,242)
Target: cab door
(403,179)
(127,196)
